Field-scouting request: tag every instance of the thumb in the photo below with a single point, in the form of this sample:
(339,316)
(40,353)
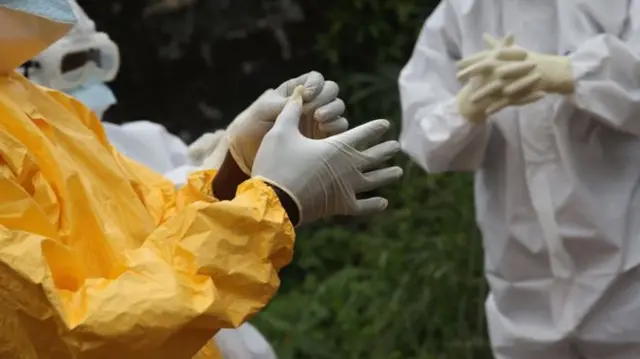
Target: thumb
(289,118)
(490,42)
(508,40)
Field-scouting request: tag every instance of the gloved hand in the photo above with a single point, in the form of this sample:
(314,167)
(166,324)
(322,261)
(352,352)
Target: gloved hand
(204,146)
(490,88)
(507,60)
(324,176)
(321,116)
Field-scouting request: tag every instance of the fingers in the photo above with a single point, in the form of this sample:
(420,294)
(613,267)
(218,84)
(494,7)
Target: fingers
(492,62)
(338,125)
(511,54)
(313,83)
(509,101)
(471,60)
(379,178)
(527,83)
(370,206)
(268,105)
(515,69)
(497,106)
(493,43)
(490,41)
(380,153)
(363,133)
(289,118)
(533,97)
(330,111)
(477,69)
(508,40)
(488,90)
(327,95)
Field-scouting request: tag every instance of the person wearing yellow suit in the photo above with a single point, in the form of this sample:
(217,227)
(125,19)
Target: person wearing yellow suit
(85,59)
(101,257)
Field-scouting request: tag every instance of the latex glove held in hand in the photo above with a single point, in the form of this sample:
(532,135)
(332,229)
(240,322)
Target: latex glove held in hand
(322,116)
(323,176)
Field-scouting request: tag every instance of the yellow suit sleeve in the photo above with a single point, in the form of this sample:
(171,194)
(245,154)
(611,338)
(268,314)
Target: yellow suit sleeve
(205,264)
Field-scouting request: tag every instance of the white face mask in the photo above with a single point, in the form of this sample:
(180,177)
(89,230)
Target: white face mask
(97,96)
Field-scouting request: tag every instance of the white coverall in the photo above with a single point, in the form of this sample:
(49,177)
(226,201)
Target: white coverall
(556,181)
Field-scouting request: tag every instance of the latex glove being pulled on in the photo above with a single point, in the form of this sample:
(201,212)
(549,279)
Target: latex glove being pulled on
(321,116)
(324,176)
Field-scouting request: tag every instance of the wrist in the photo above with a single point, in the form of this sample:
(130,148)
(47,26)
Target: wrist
(288,203)
(228,178)
(557,73)
(475,117)
(239,155)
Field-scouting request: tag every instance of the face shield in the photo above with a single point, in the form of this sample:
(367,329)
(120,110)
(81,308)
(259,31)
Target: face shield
(82,55)
(75,59)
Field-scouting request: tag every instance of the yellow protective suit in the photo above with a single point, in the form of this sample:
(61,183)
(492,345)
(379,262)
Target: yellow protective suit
(101,258)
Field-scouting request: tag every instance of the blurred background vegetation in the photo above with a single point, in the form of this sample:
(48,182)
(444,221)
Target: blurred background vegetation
(404,285)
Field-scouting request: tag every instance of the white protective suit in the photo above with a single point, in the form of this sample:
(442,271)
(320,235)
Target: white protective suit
(147,143)
(556,186)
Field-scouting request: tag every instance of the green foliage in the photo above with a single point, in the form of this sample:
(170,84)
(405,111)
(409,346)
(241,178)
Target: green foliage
(406,284)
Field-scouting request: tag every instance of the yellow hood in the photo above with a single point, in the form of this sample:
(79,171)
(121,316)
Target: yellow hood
(29,27)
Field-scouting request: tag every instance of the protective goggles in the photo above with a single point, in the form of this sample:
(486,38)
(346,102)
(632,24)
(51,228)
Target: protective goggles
(70,62)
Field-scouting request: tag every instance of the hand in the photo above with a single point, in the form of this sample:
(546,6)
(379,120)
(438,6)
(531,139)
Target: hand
(549,73)
(321,116)
(479,99)
(204,146)
(323,176)
(490,87)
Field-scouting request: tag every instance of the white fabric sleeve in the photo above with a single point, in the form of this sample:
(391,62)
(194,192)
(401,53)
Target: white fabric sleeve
(180,175)
(214,160)
(164,146)
(607,76)
(245,342)
(433,132)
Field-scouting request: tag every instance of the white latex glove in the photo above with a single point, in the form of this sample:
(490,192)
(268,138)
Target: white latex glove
(490,88)
(321,116)
(217,155)
(324,176)
(204,146)
(507,61)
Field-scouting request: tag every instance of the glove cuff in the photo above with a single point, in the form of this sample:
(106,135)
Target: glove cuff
(238,156)
(295,199)
(558,74)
